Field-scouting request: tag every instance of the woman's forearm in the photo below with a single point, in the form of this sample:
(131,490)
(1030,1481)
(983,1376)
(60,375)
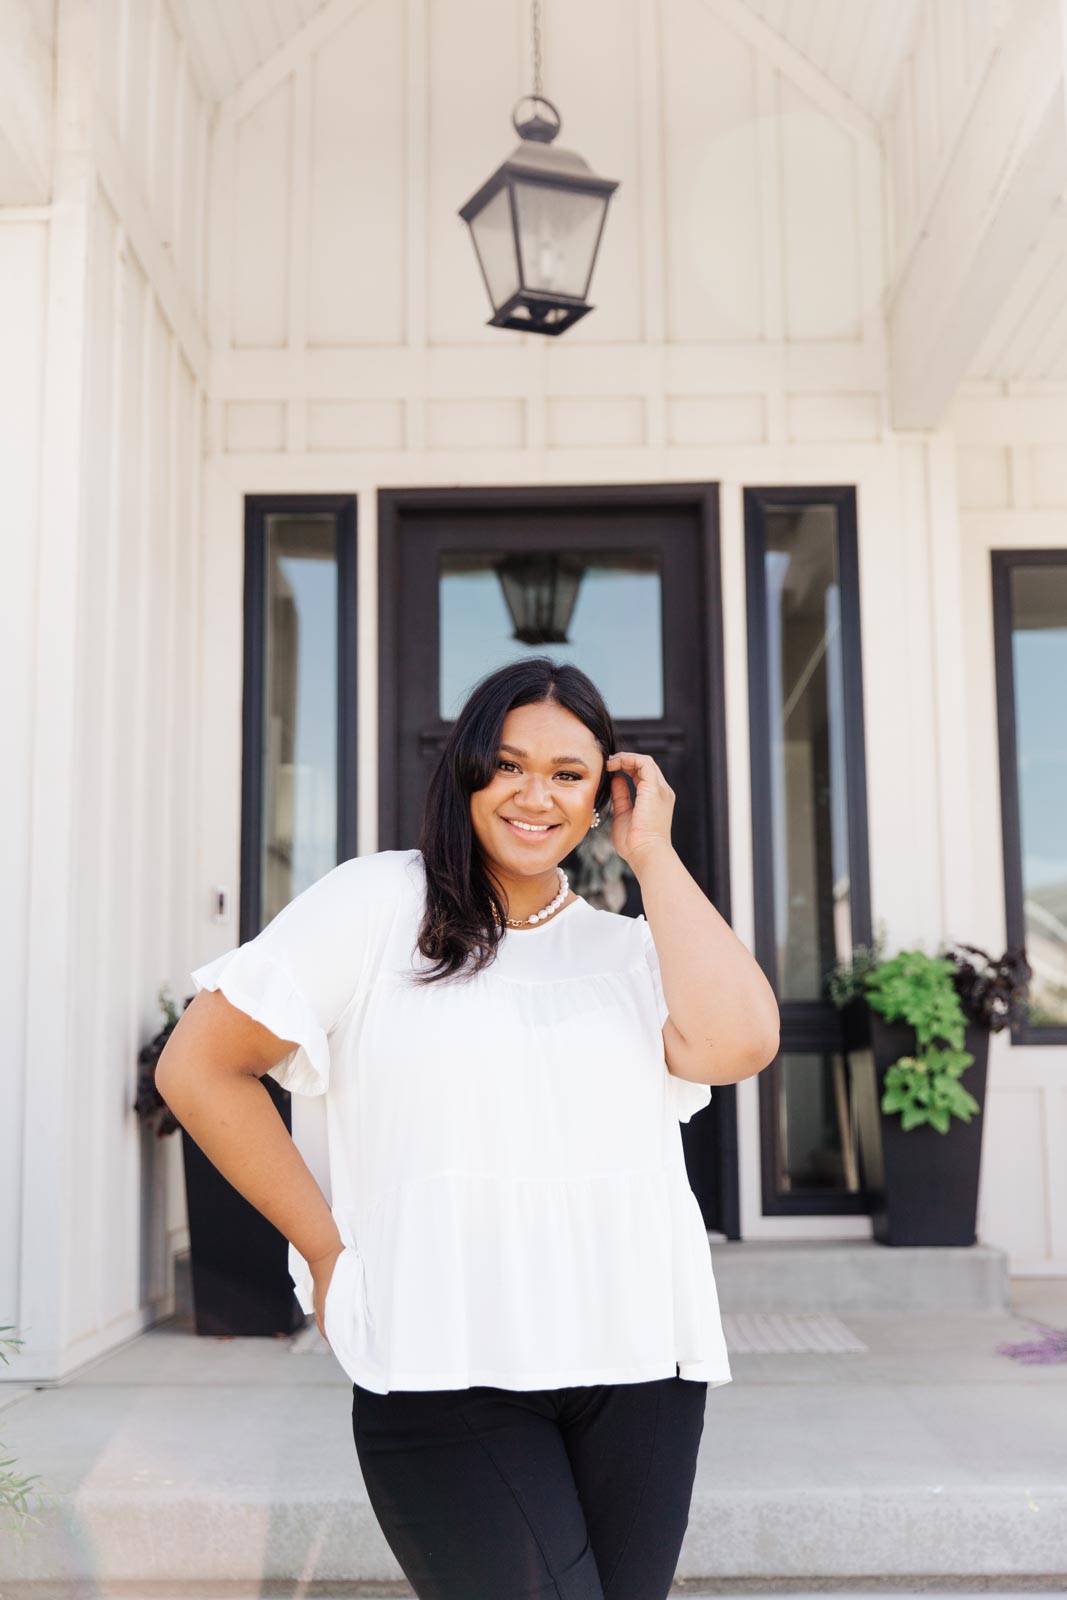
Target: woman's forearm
(235,1122)
(719,998)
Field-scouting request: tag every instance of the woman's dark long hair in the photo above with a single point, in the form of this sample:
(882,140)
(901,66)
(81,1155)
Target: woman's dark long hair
(464,914)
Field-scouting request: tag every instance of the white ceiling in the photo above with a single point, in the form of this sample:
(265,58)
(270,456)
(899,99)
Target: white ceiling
(231,38)
(859,45)
(1028,338)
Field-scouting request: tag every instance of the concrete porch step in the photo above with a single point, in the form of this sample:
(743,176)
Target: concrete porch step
(828,1275)
(922,1460)
(862,1276)
(682,1590)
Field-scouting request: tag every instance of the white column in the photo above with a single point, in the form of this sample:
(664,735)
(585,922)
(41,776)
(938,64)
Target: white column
(50,1136)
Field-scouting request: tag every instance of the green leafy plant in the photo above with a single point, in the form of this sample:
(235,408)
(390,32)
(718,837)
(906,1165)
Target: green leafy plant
(920,990)
(925,1088)
(14,1489)
(937,996)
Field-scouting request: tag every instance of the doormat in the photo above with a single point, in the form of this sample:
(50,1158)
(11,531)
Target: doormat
(769,1333)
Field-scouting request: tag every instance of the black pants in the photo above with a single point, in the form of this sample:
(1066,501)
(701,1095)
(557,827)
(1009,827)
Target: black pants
(542,1494)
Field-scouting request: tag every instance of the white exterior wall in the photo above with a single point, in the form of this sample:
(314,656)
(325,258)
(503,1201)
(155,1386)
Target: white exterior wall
(140,666)
(104,289)
(23,271)
(738,335)
(739,338)
(1012,467)
(26,84)
(338,342)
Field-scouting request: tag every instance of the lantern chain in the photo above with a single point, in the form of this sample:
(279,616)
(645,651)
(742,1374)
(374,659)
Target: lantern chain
(536,15)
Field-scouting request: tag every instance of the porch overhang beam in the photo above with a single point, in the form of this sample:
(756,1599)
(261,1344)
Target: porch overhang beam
(1000,187)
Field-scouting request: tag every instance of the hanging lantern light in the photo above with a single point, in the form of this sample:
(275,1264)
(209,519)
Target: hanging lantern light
(537,222)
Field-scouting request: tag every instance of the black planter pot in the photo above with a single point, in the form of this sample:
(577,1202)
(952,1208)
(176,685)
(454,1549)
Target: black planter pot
(923,1184)
(240,1261)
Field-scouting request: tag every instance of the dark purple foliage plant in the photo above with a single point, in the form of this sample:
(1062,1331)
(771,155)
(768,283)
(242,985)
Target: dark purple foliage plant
(149,1104)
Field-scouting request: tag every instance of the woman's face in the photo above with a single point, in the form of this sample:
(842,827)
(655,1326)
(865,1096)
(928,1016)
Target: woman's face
(548,769)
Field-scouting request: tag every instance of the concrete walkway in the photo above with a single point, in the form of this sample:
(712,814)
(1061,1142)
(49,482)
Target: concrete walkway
(226,1468)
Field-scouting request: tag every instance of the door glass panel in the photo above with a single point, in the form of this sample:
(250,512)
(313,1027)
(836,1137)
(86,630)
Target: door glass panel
(299,821)
(809,812)
(1039,664)
(817,1124)
(598,609)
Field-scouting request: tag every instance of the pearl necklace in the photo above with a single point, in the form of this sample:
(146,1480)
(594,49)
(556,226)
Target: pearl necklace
(553,905)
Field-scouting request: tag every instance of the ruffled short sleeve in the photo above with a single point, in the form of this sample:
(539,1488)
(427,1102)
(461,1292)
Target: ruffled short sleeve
(299,975)
(686,1097)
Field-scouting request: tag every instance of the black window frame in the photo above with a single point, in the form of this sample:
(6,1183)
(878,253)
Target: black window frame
(1002,562)
(806,1025)
(258,507)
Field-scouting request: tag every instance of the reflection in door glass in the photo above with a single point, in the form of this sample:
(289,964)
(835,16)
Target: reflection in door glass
(1039,667)
(599,610)
(817,1136)
(299,821)
(809,802)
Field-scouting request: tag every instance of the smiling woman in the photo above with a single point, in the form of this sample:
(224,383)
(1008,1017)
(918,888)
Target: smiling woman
(510,1213)
(502,778)
(536,798)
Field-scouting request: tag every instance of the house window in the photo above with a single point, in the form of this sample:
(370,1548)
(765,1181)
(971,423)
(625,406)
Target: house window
(1030,639)
(299,737)
(809,830)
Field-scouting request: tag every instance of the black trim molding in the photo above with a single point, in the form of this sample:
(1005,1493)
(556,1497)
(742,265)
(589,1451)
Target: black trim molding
(398,510)
(807,1026)
(1002,563)
(257,509)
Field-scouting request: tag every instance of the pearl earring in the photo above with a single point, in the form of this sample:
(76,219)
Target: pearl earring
(596,820)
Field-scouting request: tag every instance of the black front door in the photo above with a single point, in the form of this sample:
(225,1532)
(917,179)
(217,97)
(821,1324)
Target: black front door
(464,580)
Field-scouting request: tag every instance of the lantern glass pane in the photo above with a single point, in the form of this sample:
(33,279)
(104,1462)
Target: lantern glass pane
(558,233)
(494,240)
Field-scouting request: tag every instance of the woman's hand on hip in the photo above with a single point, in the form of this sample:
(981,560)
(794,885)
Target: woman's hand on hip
(322,1271)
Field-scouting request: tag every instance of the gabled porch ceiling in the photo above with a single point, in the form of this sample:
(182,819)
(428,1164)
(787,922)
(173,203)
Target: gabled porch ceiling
(980,281)
(229,40)
(979,285)
(858,48)
(859,45)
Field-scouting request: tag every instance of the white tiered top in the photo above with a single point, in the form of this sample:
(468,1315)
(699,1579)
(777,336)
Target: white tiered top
(501,1154)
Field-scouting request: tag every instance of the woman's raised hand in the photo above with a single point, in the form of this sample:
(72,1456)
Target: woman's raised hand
(643,823)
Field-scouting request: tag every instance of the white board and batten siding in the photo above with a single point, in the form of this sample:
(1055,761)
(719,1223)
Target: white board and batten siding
(994,479)
(738,333)
(1011,450)
(739,336)
(259,283)
(106,362)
